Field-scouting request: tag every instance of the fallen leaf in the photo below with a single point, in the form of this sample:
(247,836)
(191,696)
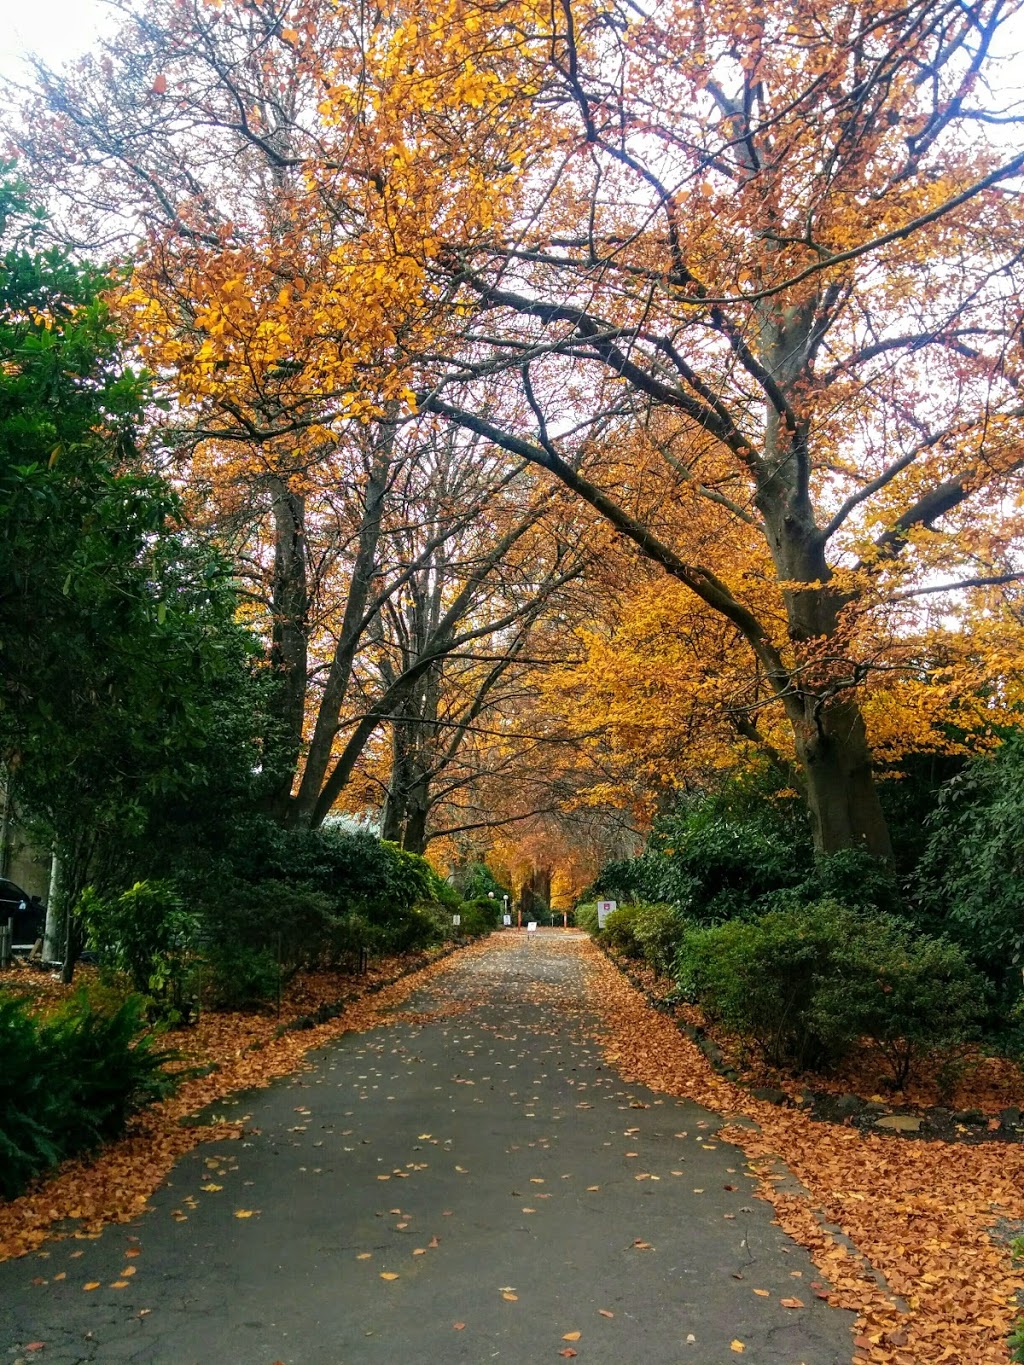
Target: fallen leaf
(119,1284)
(606,1312)
(762,1293)
(133,1251)
(459,1326)
(363,1255)
(388,1275)
(160,85)
(567,1351)
(737,1346)
(243,1213)
(34,1346)
(571,1336)
(211,1188)
(791,1303)
(93,1284)
(511,1298)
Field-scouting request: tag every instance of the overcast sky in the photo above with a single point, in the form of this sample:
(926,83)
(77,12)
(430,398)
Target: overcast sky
(56,29)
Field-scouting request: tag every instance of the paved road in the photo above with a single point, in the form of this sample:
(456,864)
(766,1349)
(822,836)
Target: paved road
(467,1187)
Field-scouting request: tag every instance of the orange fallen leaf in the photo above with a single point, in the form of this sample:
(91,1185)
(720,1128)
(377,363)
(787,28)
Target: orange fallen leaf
(119,1284)
(459,1326)
(388,1275)
(93,1284)
(571,1336)
(567,1351)
(127,1271)
(737,1346)
(762,1293)
(133,1251)
(511,1298)
(363,1255)
(243,1213)
(606,1312)
(791,1303)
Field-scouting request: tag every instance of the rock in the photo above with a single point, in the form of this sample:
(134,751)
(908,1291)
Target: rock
(973,1117)
(849,1104)
(1011,1117)
(900,1123)
(770,1093)
(712,1051)
(730,1075)
(875,1107)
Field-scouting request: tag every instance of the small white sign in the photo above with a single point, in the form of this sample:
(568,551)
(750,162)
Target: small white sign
(506,920)
(604,909)
(531,928)
(456,920)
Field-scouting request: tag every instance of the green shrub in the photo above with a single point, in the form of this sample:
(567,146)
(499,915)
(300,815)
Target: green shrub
(474,922)
(658,931)
(760,978)
(909,995)
(149,935)
(717,853)
(70,1081)
(850,877)
(488,909)
(970,883)
(619,931)
(238,978)
(586,917)
(805,984)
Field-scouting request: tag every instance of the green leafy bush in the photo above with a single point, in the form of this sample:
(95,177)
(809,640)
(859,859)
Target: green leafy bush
(805,984)
(619,932)
(717,853)
(910,995)
(586,917)
(238,978)
(760,978)
(474,920)
(970,882)
(658,931)
(149,935)
(70,1081)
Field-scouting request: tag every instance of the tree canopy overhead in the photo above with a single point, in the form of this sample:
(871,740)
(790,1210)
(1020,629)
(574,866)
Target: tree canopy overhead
(746,283)
(773,292)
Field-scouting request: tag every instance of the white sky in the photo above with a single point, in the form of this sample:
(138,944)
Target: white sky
(56,29)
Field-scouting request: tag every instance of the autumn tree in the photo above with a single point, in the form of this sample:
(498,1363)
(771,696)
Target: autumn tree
(294,171)
(779,258)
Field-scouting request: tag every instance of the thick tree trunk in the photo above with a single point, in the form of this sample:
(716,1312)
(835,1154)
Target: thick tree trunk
(414,839)
(842,798)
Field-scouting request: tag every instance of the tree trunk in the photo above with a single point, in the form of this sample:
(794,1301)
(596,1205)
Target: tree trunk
(841,795)
(288,647)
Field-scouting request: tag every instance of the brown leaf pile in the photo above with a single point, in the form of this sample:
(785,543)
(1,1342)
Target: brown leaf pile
(921,1213)
(114,1185)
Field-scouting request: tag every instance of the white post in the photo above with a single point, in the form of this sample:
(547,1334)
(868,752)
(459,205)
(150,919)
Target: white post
(53,951)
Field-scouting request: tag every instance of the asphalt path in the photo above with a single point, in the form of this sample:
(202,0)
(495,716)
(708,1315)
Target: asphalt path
(471,1183)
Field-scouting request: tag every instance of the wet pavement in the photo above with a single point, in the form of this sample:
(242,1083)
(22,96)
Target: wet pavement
(472,1183)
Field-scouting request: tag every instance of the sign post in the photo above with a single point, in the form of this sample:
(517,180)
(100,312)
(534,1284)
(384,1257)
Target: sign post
(604,909)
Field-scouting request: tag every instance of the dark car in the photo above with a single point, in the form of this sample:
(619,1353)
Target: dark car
(28,913)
